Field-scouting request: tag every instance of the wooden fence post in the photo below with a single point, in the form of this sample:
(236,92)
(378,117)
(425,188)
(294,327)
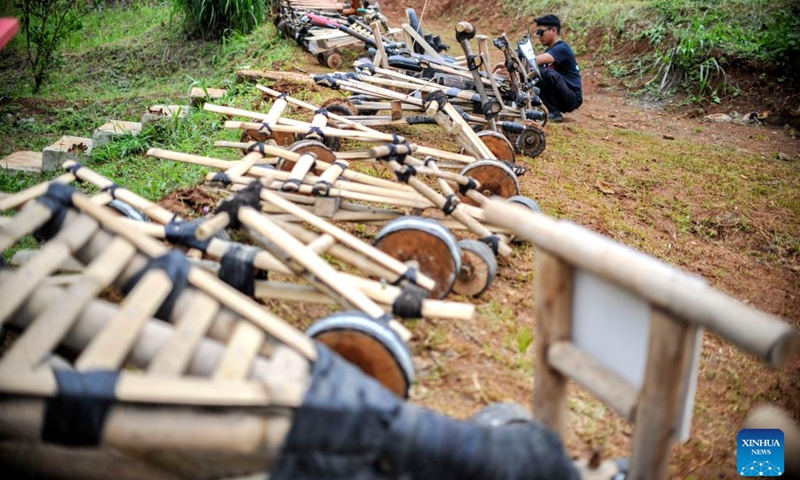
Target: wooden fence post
(554,286)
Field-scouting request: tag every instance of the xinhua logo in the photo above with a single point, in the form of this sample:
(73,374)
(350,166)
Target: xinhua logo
(759,452)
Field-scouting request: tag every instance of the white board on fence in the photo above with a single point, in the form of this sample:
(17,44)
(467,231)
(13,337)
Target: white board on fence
(613,326)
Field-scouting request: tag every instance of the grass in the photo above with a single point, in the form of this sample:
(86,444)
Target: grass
(689,44)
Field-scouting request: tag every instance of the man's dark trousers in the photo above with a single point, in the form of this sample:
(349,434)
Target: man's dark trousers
(556,94)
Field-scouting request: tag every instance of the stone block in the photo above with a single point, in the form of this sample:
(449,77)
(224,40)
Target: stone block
(22,162)
(115,128)
(68,148)
(160,112)
(198,95)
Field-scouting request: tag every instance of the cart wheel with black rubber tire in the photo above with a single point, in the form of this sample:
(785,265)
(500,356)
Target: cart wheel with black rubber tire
(369,344)
(316,147)
(497,143)
(496,180)
(426,242)
(478,268)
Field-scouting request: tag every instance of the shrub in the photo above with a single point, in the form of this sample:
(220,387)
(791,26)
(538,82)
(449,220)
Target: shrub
(45,24)
(217,18)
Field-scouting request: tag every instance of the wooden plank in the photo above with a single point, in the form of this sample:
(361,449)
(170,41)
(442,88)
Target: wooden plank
(246,341)
(554,282)
(109,348)
(15,287)
(32,216)
(47,330)
(575,364)
(658,415)
(175,356)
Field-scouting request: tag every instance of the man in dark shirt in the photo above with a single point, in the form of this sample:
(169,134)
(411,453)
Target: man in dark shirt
(560,84)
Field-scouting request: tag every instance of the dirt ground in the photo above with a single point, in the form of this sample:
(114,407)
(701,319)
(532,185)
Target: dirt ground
(465,366)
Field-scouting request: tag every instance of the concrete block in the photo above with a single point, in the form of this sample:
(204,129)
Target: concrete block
(326,207)
(22,162)
(115,128)
(68,148)
(198,95)
(160,112)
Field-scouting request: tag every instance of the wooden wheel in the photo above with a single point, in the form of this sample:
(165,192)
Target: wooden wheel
(478,268)
(531,141)
(319,149)
(331,59)
(370,345)
(282,139)
(341,106)
(498,144)
(496,179)
(428,243)
(525,202)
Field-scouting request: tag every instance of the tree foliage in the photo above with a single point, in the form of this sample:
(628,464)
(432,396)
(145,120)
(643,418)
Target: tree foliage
(45,24)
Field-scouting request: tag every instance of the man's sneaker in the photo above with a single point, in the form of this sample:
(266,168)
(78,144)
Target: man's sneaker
(556,117)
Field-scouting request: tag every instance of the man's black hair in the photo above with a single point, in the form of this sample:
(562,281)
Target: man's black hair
(549,20)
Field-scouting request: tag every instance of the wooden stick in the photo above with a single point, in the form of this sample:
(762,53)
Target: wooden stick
(684,296)
(575,364)
(347,239)
(224,293)
(554,290)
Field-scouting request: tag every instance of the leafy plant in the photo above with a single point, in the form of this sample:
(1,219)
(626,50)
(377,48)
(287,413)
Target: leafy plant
(218,18)
(45,24)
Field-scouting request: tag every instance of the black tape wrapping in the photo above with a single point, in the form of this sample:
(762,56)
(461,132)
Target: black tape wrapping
(222,178)
(341,164)
(493,241)
(488,109)
(474,62)
(471,185)
(410,275)
(450,204)
(419,120)
(177,268)
(409,303)
(322,188)
(351,427)
(513,127)
(394,152)
(250,197)
(184,233)
(518,169)
(237,268)
(111,189)
(265,127)
(430,162)
(57,199)
(292,181)
(257,147)
(76,415)
(438,96)
(404,174)
(283,97)
(316,132)
(461,36)
(74,170)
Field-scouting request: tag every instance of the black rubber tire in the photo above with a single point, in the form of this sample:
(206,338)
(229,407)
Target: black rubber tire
(533,205)
(341,328)
(475,278)
(500,414)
